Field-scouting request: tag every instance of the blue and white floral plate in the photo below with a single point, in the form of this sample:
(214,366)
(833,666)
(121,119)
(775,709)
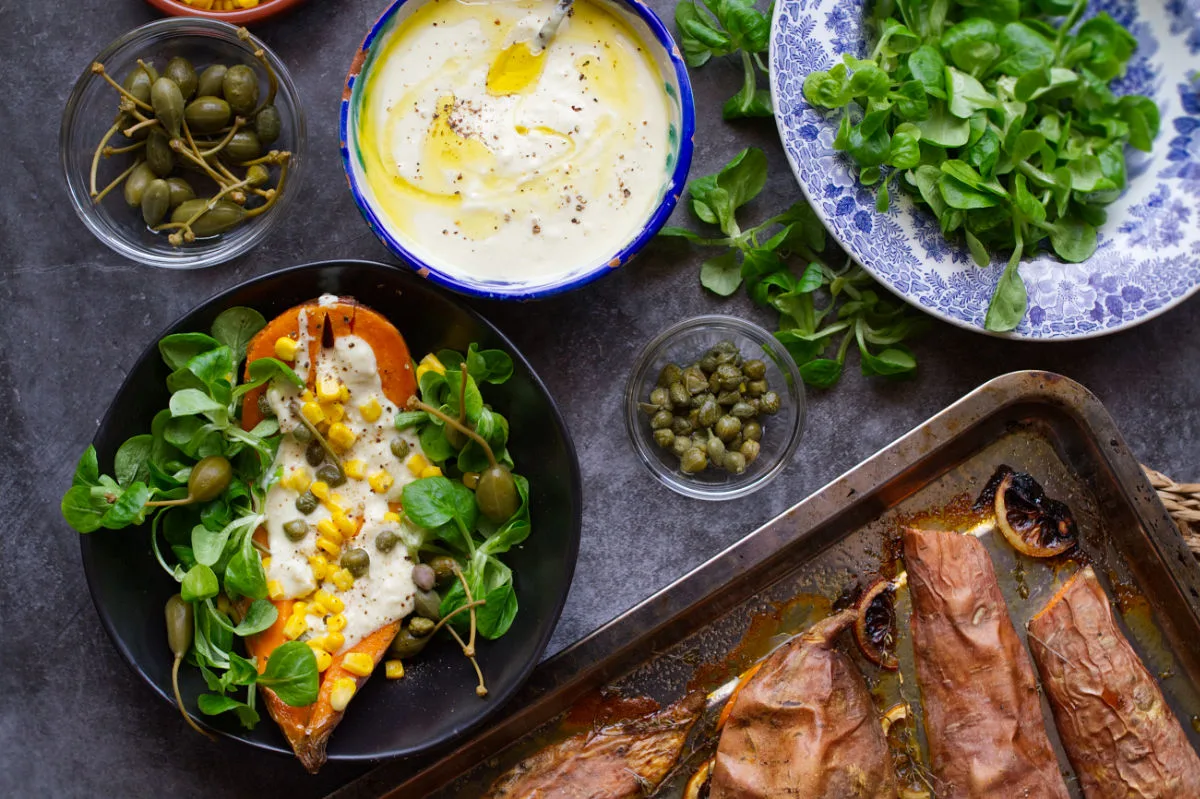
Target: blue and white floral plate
(1148,258)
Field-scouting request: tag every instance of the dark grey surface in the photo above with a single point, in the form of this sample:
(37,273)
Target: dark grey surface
(74,721)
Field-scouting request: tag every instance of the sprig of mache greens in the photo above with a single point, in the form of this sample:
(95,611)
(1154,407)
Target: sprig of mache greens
(999,117)
(215,562)
(759,257)
(724,28)
(442,515)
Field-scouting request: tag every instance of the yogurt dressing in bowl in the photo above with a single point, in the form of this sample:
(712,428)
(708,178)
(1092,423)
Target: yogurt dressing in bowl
(488,161)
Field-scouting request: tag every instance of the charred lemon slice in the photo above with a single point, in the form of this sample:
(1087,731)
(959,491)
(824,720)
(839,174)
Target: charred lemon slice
(1033,523)
(875,626)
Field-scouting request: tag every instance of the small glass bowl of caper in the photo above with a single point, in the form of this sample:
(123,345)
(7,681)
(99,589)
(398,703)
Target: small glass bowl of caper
(91,114)
(696,382)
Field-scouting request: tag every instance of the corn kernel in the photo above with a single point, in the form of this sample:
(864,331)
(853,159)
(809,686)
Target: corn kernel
(266,562)
(334,641)
(371,411)
(317,609)
(285,348)
(416,464)
(316,643)
(324,659)
(274,589)
(336,623)
(354,469)
(334,411)
(307,396)
(392,517)
(381,481)
(295,627)
(312,412)
(329,530)
(319,488)
(298,480)
(344,393)
(319,566)
(345,524)
(333,603)
(299,608)
(431,471)
(333,550)
(327,389)
(341,436)
(343,579)
(430,363)
(342,693)
(393,669)
(359,664)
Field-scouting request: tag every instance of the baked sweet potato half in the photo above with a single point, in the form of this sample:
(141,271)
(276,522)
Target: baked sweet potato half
(983,718)
(804,726)
(626,760)
(1120,735)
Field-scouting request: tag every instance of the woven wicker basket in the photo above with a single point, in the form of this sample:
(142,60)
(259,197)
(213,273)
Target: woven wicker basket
(1182,501)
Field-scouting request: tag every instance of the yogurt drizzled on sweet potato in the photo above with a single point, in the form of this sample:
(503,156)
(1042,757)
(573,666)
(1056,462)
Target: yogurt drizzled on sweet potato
(498,162)
(385,593)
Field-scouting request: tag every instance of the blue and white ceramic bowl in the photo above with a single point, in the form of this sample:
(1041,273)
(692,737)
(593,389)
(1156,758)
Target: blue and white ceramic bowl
(1148,258)
(665,54)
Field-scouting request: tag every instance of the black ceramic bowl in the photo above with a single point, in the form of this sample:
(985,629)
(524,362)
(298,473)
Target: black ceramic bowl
(436,700)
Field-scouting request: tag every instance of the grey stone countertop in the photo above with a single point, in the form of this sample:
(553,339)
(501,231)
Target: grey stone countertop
(75,721)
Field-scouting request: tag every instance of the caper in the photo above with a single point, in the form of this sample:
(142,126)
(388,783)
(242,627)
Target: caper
(730,376)
(240,88)
(159,155)
(670,374)
(682,426)
(420,626)
(664,437)
(694,460)
(662,397)
(356,561)
(268,124)
(715,449)
(296,529)
(264,406)
(257,175)
(407,645)
(727,427)
(700,440)
(725,347)
(181,191)
(496,494)
(179,625)
(167,101)
(156,201)
(137,83)
(708,363)
(755,369)
(136,183)
(443,567)
(210,476)
(244,146)
(307,502)
(770,403)
(723,357)
(714,383)
(424,577)
(218,219)
(756,388)
(207,114)
(750,450)
(301,434)
(680,445)
(180,70)
(428,604)
(752,430)
(661,420)
(314,453)
(209,82)
(734,462)
(386,540)
(710,412)
(743,410)
(678,395)
(399,447)
(735,443)
(694,380)
(470,480)
(331,474)
(728,398)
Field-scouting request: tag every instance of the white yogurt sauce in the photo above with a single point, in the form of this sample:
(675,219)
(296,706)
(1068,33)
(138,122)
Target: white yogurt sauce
(549,168)
(385,593)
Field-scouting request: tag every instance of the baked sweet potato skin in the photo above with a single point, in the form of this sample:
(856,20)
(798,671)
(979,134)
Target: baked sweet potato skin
(626,760)
(983,717)
(805,726)
(1121,737)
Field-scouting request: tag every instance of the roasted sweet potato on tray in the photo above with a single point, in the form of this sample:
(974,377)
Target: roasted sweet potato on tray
(804,726)
(983,717)
(1119,733)
(626,760)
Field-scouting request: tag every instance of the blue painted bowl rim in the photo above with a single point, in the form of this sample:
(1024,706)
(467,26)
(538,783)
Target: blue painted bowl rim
(649,229)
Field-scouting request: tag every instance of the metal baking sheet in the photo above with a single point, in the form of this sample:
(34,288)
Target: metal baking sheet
(783,575)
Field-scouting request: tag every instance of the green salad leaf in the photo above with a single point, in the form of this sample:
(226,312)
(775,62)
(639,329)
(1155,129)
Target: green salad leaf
(725,27)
